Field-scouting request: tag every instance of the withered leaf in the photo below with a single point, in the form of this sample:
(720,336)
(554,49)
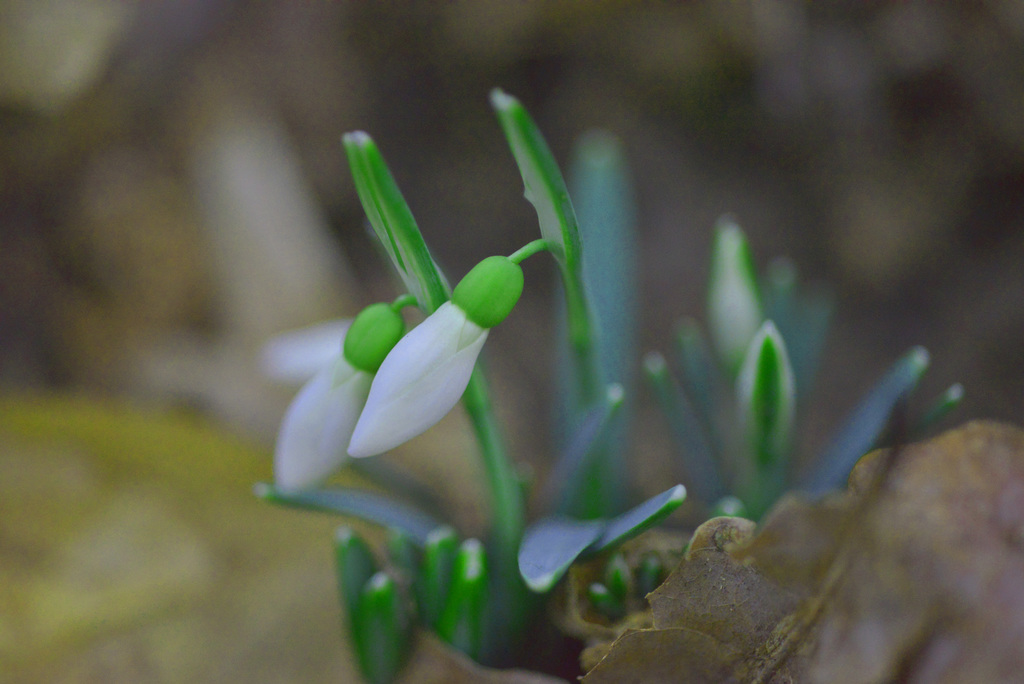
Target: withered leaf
(434,662)
(914,575)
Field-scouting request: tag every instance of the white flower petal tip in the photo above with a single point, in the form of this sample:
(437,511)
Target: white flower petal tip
(317,426)
(297,355)
(419,382)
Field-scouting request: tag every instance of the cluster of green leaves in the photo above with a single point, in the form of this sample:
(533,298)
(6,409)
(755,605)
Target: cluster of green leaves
(735,410)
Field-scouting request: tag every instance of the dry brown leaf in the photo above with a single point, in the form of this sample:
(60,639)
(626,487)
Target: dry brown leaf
(434,662)
(913,574)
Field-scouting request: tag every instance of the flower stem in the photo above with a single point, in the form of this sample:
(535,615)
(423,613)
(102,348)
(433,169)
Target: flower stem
(403,301)
(529,249)
(509,517)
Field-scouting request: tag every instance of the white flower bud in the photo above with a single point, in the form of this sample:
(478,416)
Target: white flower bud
(419,382)
(318,425)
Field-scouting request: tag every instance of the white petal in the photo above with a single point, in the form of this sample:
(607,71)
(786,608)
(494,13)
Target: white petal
(419,382)
(318,425)
(296,356)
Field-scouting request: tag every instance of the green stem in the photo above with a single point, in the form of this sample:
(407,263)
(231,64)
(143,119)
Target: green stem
(403,301)
(529,249)
(581,337)
(508,511)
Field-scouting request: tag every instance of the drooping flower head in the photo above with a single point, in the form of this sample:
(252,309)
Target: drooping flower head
(318,424)
(426,373)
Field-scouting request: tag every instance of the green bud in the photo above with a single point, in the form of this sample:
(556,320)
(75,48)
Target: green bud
(381,635)
(463,618)
(435,576)
(489,291)
(354,565)
(617,577)
(734,300)
(373,333)
(729,506)
(605,602)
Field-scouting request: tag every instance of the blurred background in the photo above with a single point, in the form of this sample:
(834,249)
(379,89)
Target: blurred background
(173,192)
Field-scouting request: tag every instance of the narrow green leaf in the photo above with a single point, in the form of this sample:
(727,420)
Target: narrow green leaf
(393,222)
(734,301)
(766,401)
(542,179)
(354,566)
(946,402)
(639,519)
(357,503)
(802,315)
(866,423)
(766,397)
(571,471)
(463,618)
(604,204)
(606,602)
(551,545)
(381,637)
(604,200)
(729,506)
(695,451)
(435,577)
(700,375)
(618,577)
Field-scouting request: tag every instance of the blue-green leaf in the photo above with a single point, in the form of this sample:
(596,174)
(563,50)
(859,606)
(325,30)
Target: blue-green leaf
(544,185)
(590,439)
(802,315)
(604,204)
(639,519)
(357,503)
(551,545)
(700,375)
(695,450)
(393,222)
(867,423)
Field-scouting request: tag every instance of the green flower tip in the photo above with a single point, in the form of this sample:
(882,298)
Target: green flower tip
(600,149)
(654,364)
(379,585)
(440,535)
(489,291)
(919,358)
(734,301)
(374,333)
(472,563)
(501,100)
(357,139)
(614,394)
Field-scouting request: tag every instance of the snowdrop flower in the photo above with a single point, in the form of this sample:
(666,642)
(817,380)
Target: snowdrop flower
(426,373)
(295,357)
(318,424)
